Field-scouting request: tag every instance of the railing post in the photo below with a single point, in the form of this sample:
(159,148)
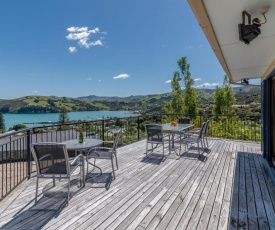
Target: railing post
(102,128)
(255,129)
(138,134)
(29,154)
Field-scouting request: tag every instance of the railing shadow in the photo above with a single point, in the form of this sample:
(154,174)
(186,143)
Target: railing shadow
(37,215)
(48,206)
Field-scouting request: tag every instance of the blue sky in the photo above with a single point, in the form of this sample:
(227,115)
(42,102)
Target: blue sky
(105,48)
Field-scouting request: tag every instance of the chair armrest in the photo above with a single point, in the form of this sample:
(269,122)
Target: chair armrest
(78,159)
(196,130)
(108,142)
(48,155)
(98,148)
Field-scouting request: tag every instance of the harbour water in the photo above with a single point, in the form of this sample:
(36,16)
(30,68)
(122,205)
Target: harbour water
(32,120)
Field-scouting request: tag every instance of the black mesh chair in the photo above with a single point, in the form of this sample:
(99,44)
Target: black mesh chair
(52,161)
(104,153)
(156,137)
(195,139)
(184,120)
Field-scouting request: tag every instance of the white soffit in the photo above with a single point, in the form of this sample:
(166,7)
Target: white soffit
(243,61)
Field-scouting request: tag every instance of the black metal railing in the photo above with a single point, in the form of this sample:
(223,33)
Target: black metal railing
(16,163)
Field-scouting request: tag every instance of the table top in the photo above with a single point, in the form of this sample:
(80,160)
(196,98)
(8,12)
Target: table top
(87,144)
(178,127)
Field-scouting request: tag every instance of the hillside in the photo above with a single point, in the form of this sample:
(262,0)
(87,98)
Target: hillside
(43,104)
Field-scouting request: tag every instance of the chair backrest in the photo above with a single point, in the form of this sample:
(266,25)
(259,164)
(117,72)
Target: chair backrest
(116,139)
(184,120)
(205,128)
(201,130)
(49,154)
(154,133)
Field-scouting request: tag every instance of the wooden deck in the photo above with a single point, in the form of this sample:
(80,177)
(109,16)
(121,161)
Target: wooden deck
(227,187)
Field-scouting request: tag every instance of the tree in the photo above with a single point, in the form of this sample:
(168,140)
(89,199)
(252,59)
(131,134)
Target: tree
(2,122)
(224,99)
(176,105)
(191,96)
(63,115)
(183,103)
(18,127)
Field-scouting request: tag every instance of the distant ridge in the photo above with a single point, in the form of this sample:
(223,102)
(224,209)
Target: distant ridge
(151,102)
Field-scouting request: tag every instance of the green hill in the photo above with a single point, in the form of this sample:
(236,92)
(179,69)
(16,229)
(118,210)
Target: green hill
(43,104)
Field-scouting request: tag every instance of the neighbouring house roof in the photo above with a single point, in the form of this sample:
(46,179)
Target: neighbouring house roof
(219,21)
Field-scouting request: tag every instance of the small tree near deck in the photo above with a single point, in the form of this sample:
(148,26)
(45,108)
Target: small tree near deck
(2,123)
(63,115)
(176,105)
(191,96)
(224,99)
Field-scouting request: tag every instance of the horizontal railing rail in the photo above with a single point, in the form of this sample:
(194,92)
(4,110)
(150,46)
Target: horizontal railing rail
(16,163)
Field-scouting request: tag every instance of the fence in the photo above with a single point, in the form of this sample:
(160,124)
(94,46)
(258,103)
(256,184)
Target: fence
(16,161)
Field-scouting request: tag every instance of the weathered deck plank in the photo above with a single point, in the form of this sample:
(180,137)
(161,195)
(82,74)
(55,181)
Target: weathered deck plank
(189,211)
(229,188)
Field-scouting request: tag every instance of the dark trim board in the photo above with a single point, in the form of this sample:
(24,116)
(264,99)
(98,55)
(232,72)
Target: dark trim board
(266,121)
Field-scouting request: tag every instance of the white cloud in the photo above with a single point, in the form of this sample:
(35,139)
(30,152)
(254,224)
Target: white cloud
(197,79)
(94,31)
(168,81)
(77,29)
(99,80)
(207,85)
(89,79)
(78,36)
(121,76)
(83,35)
(188,47)
(84,42)
(36,91)
(200,46)
(72,49)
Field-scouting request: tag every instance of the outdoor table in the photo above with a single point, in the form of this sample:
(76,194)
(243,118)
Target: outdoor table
(179,128)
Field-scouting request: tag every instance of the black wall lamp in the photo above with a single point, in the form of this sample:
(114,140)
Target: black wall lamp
(245,81)
(248,31)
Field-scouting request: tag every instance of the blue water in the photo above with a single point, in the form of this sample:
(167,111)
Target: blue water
(13,119)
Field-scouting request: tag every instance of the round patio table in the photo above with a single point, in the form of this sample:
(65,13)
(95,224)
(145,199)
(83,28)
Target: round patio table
(87,144)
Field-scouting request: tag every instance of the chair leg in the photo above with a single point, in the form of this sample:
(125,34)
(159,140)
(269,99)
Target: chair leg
(199,148)
(82,168)
(36,191)
(116,162)
(113,168)
(69,185)
(206,141)
(180,145)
